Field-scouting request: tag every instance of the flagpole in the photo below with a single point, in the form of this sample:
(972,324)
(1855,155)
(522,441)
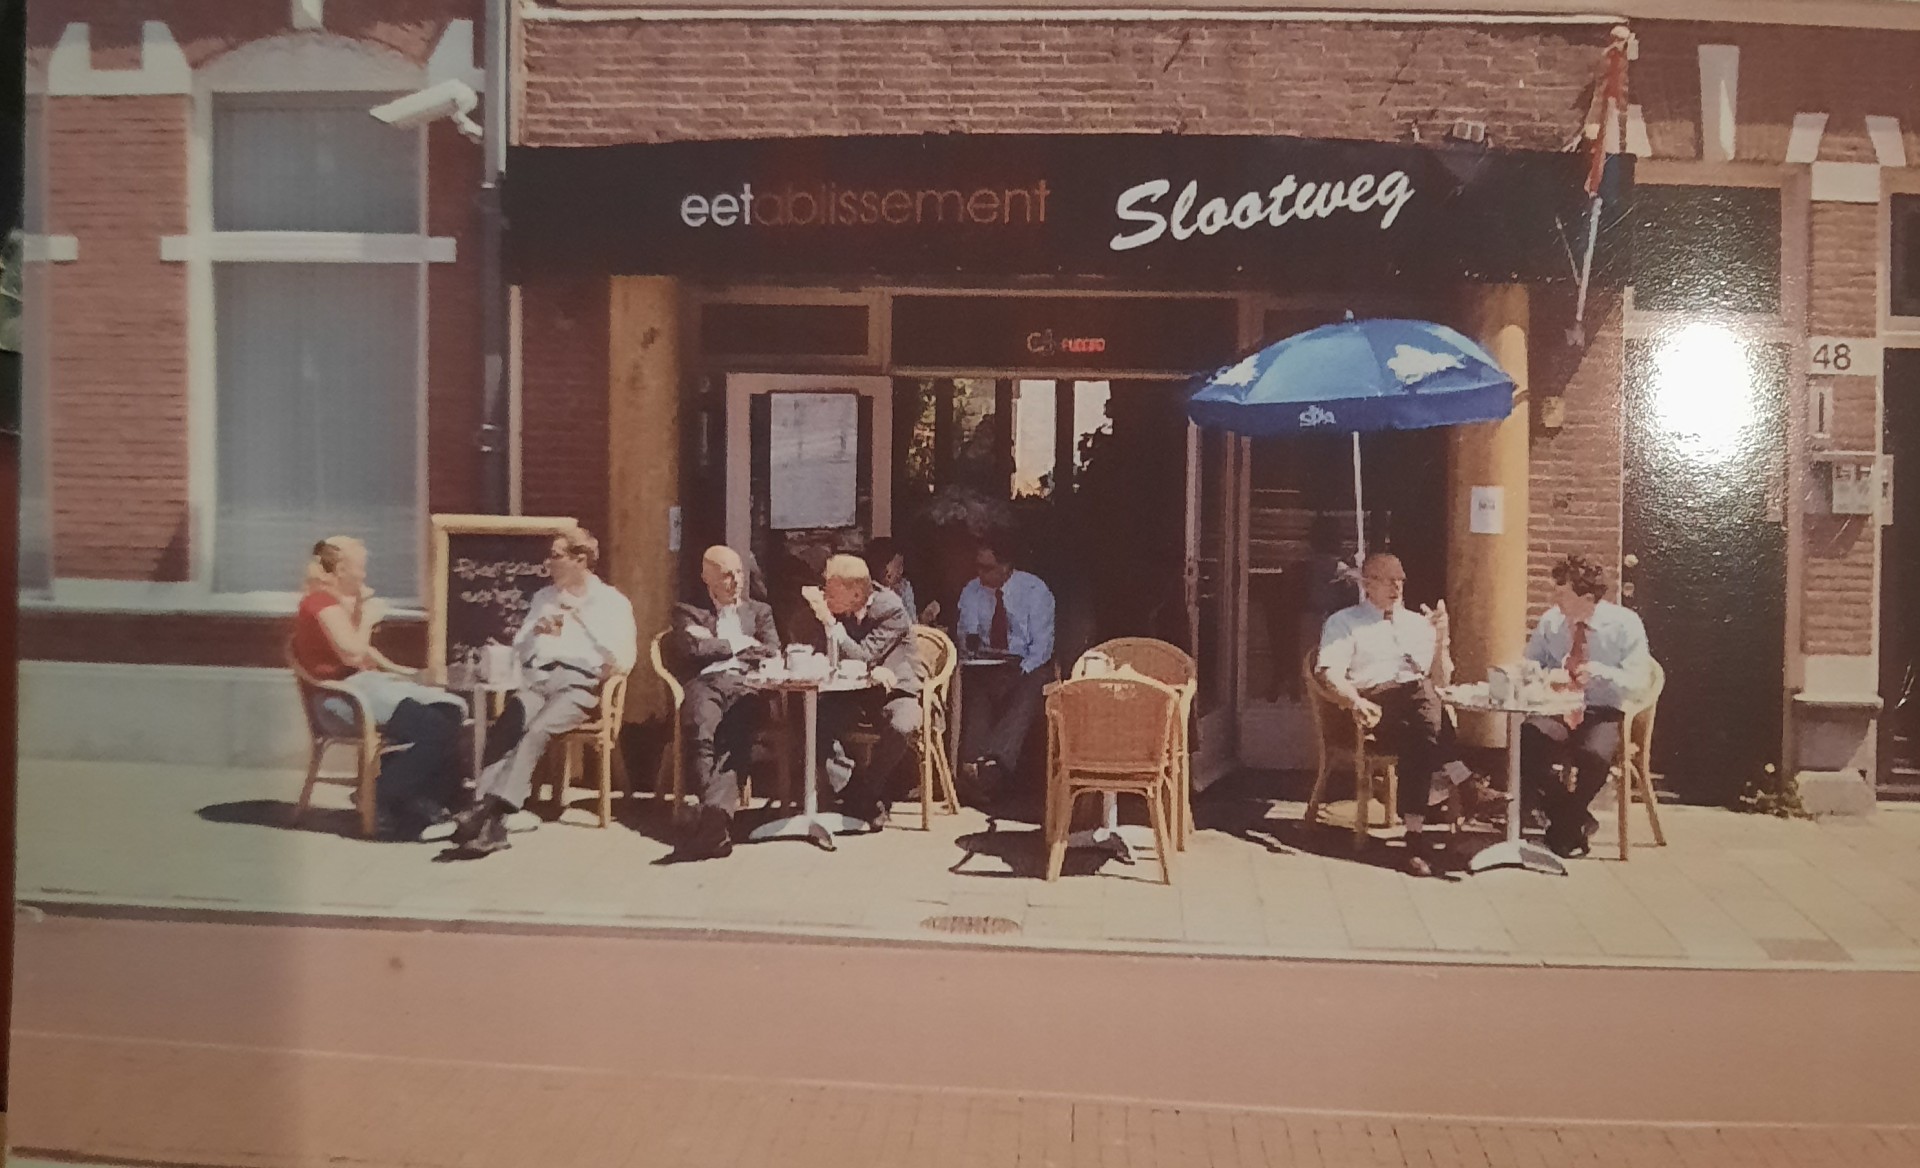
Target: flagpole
(1359,505)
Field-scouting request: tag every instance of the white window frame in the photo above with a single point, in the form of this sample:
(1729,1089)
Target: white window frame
(298,63)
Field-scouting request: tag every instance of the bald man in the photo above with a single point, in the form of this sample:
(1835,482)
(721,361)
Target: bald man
(715,639)
(1385,663)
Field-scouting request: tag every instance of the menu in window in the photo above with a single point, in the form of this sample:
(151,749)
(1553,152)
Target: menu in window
(812,450)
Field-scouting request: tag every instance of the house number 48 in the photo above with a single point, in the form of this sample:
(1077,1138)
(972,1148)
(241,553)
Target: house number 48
(1842,355)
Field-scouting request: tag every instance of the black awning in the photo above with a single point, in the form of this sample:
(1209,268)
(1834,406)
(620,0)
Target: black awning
(1154,210)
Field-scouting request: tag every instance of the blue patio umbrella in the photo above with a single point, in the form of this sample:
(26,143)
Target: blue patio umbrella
(1358,376)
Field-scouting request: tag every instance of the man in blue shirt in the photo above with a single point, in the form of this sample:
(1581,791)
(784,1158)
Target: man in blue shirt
(1007,613)
(1603,648)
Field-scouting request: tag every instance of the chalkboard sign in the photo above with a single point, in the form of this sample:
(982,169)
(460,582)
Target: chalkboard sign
(486,569)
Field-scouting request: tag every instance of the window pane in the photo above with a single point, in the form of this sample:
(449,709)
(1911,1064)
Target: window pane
(1034,440)
(317,420)
(1905,276)
(976,450)
(312,162)
(1706,248)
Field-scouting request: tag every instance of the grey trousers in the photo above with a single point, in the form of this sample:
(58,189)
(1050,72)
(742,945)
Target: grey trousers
(997,710)
(516,742)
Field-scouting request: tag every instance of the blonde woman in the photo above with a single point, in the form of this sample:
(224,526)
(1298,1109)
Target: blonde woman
(333,641)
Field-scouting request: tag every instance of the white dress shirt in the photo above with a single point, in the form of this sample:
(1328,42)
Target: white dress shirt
(728,627)
(1029,617)
(1619,667)
(599,630)
(1371,648)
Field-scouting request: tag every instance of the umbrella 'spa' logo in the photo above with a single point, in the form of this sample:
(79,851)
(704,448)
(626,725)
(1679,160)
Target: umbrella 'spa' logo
(1316,416)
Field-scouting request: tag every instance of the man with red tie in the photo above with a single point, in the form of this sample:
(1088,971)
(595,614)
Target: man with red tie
(1603,648)
(1008,614)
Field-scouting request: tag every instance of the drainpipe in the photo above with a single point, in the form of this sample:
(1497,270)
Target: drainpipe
(495,437)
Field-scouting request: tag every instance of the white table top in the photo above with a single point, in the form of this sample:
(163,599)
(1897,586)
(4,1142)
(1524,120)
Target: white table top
(823,685)
(1476,697)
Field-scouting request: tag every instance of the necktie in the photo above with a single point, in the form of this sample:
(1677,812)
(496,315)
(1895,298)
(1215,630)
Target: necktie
(1576,659)
(997,631)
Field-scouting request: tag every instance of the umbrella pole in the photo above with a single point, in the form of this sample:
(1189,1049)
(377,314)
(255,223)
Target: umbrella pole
(1359,505)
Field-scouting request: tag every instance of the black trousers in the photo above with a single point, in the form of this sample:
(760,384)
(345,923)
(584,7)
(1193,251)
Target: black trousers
(1590,747)
(717,720)
(1413,725)
(426,774)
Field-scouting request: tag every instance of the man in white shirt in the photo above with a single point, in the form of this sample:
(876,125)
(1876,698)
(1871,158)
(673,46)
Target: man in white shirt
(1603,648)
(1384,662)
(1002,612)
(714,642)
(577,633)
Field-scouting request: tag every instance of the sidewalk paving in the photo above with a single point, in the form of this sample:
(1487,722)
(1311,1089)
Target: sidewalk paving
(202,1105)
(1733,891)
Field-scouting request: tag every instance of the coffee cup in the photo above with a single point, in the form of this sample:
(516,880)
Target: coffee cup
(1499,684)
(853,670)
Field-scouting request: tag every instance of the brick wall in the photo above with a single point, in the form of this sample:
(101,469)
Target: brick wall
(1840,578)
(564,441)
(1847,73)
(116,179)
(607,82)
(1574,472)
(207,28)
(118,361)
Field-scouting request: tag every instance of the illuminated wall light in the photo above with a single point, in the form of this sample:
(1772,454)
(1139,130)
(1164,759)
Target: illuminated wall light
(1703,391)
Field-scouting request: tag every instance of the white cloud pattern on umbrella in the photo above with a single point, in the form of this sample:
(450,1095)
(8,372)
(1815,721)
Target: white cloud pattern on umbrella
(1410,364)
(1241,374)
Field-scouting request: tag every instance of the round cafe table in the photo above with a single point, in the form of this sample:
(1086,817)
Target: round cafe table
(812,823)
(1514,851)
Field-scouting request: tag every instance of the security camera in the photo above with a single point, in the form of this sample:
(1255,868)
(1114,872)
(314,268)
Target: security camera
(447,99)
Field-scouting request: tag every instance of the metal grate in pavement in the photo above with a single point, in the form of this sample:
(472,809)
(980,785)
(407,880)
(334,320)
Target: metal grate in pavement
(971,926)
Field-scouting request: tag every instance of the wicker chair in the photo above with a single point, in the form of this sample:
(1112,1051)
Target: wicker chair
(938,660)
(672,776)
(600,734)
(362,735)
(1112,735)
(1632,768)
(1336,727)
(1168,665)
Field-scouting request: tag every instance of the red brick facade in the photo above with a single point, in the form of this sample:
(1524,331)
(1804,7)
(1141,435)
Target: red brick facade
(1572,485)
(119,427)
(598,83)
(116,180)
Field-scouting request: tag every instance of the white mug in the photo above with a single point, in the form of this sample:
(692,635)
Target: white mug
(496,664)
(1096,664)
(1499,684)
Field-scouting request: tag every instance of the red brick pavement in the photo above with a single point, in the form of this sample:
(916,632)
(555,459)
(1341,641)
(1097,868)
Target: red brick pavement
(171,1103)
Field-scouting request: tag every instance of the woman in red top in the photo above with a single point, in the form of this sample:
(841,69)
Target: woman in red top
(333,641)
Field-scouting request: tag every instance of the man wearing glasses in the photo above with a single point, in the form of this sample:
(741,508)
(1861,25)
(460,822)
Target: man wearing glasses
(1004,615)
(577,633)
(1385,662)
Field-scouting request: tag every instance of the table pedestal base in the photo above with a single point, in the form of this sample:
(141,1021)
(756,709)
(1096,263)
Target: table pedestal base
(1514,853)
(1108,835)
(819,826)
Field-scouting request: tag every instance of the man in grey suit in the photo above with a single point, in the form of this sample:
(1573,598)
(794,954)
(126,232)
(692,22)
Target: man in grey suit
(869,625)
(714,642)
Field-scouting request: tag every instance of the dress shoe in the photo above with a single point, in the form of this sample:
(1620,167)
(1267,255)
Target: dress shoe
(711,837)
(1417,862)
(1481,800)
(1568,849)
(467,823)
(492,838)
(880,819)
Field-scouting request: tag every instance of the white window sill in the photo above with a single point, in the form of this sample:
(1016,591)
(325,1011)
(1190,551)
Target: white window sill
(133,596)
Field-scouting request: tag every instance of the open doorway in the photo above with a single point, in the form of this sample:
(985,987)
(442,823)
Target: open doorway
(1090,474)
(1899,747)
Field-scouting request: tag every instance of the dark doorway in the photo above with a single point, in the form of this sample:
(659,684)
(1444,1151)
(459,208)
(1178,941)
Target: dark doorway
(1705,439)
(1899,748)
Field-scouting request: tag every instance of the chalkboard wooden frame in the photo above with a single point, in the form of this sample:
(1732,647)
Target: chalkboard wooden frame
(444,527)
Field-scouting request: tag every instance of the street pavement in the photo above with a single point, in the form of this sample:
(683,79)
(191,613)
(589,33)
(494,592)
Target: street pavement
(272,1045)
(1732,891)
